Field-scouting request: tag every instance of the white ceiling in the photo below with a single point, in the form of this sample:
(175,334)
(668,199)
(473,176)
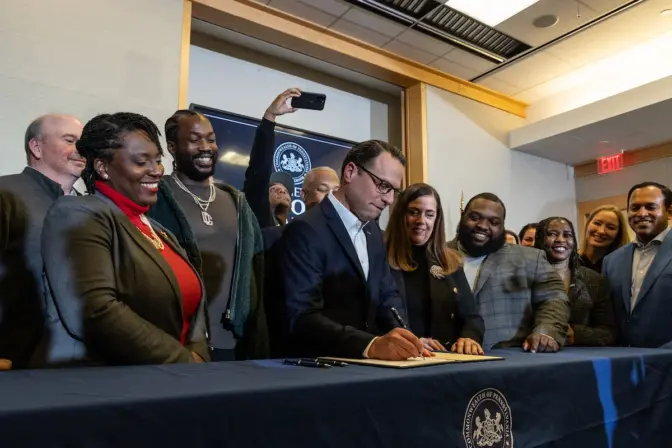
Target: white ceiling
(381,32)
(299,59)
(636,129)
(531,78)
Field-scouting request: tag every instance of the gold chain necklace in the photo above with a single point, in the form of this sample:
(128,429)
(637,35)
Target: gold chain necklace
(154,239)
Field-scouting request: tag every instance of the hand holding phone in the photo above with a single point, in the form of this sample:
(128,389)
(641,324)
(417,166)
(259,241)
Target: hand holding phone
(309,100)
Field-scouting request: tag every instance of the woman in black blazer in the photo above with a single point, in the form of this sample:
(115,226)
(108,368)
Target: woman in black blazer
(438,300)
(122,290)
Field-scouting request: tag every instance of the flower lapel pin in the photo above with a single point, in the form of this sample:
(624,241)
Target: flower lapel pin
(437,272)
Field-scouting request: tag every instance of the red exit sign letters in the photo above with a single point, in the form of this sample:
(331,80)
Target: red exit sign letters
(610,163)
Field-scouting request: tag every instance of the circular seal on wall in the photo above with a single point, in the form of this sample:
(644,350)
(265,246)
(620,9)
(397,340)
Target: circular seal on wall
(292,159)
(487,421)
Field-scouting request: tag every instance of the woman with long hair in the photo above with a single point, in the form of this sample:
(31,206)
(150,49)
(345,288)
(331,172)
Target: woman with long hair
(606,230)
(591,320)
(437,297)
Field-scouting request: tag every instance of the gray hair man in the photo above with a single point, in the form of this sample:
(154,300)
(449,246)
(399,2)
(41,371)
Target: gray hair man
(53,167)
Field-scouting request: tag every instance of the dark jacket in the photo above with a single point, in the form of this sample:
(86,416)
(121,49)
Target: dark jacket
(453,311)
(113,297)
(592,312)
(245,315)
(25,199)
(258,173)
(274,294)
(333,309)
(648,323)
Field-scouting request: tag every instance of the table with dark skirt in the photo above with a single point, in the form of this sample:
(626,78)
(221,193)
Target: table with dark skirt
(606,397)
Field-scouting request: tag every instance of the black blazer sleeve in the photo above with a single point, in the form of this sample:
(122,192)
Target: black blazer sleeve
(472,325)
(259,172)
(303,269)
(77,247)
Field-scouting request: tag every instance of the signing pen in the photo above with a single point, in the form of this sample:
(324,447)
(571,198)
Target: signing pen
(307,363)
(333,362)
(397,316)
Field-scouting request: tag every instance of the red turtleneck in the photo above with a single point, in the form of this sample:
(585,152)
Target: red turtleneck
(190,286)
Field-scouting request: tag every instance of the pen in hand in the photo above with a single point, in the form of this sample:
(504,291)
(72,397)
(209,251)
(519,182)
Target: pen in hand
(400,321)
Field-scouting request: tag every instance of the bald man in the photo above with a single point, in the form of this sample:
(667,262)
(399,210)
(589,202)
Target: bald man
(53,167)
(317,184)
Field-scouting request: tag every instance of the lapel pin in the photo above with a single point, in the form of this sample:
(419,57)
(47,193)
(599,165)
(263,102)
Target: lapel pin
(437,272)
(455,290)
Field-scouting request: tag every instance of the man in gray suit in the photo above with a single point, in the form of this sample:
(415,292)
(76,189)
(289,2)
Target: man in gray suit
(519,295)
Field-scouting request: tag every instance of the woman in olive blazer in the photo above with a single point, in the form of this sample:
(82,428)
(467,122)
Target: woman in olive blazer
(116,295)
(438,301)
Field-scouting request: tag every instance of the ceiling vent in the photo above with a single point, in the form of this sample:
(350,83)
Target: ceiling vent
(441,22)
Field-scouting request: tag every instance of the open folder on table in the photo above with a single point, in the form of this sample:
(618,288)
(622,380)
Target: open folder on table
(439,358)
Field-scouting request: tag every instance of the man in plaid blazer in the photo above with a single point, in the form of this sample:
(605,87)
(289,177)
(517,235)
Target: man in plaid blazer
(519,295)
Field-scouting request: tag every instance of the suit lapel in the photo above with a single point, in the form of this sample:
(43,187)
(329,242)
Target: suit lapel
(438,294)
(154,253)
(660,262)
(372,245)
(626,275)
(148,247)
(486,270)
(338,229)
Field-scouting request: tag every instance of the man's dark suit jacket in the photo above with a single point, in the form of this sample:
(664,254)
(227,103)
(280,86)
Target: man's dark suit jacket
(113,297)
(453,311)
(332,308)
(648,324)
(25,199)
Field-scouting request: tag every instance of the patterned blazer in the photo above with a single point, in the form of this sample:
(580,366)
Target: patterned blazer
(592,315)
(519,293)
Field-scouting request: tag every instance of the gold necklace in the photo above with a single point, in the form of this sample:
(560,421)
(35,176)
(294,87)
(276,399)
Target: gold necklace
(154,239)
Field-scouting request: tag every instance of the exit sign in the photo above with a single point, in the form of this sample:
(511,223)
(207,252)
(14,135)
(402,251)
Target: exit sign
(610,163)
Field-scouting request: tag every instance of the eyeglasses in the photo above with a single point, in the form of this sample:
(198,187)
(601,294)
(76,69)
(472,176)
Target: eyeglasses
(382,186)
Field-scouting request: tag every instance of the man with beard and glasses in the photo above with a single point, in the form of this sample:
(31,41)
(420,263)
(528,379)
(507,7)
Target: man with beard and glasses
(639,274)
(54,165)
(519,295)
(217,227)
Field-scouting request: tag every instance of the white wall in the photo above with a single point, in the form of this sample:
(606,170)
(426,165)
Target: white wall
(235,85)
(84,57)
(599,186)
(468,152)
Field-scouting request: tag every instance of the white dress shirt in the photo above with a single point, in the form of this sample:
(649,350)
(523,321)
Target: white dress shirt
(355,229)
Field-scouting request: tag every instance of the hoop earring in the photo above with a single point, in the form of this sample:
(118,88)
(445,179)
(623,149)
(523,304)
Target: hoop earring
(174,165)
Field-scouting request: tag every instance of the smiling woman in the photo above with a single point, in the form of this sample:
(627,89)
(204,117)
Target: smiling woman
(606,230)
(122,291)
(592,320)
(438,300)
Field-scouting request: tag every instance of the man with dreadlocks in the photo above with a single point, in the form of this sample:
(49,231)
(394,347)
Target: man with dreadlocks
(216,225)
(53,167)
(121,289)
